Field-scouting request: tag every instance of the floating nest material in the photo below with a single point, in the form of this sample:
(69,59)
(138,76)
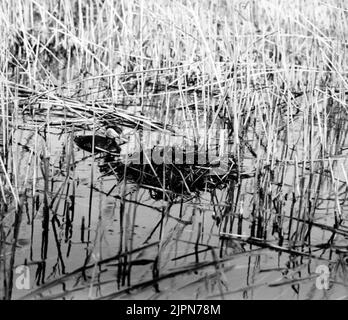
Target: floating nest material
(168,173)
(170,180)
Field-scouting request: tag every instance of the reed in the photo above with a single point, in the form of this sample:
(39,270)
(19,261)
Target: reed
(272,74)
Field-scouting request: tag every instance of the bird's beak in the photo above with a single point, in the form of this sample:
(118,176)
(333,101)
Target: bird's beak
(123,139)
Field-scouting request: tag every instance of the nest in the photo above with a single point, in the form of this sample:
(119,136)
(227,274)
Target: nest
(171,179)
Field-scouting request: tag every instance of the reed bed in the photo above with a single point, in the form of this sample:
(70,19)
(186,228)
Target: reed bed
(265,79)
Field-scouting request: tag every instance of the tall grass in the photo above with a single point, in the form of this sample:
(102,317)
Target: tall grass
(272,73)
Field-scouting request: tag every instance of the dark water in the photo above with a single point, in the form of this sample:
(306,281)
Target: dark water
(111,225)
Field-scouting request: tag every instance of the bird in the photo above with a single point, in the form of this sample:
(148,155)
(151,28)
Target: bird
(110,143)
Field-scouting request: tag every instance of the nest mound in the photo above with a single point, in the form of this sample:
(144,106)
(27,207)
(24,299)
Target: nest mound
(170,178)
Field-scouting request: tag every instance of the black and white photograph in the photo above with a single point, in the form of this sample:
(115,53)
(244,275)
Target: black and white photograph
(193,151)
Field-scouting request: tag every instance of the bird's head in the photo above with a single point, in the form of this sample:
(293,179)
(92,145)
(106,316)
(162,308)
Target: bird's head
(116,133)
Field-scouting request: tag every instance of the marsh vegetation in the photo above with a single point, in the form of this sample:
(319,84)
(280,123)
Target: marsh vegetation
(91,90)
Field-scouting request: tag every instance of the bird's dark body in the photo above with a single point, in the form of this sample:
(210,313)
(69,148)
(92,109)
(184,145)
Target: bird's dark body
(101,144)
